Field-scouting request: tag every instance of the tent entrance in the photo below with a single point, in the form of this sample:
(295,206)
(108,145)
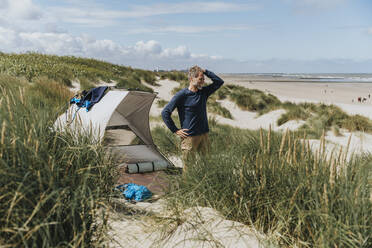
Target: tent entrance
(121,135)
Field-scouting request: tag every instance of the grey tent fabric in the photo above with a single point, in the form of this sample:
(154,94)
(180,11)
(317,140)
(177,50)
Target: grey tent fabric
(121,121)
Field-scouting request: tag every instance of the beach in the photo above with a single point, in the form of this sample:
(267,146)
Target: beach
(342,94)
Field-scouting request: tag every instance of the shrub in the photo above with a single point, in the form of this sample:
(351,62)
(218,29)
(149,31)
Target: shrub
(293,113)
(148,77)
(356,123)
(252,100)
(86,84)
(132,83)
(174,75)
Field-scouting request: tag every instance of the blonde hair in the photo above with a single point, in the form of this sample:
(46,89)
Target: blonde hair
(194,71)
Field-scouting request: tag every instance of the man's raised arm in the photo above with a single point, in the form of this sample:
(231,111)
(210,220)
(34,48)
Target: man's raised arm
(217,83)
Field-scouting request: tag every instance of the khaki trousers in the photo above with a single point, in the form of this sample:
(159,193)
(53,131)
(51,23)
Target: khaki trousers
(194,144)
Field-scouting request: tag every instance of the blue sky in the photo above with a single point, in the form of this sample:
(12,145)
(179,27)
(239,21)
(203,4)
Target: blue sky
(226,36)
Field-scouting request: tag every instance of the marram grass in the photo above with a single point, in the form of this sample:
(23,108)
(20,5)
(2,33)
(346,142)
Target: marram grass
(279,185)
(66,69)
(52,185)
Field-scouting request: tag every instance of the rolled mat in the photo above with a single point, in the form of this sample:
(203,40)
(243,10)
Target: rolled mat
(147,167)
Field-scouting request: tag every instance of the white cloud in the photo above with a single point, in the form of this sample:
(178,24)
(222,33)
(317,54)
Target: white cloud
(150,47)
(369,30)
(20,9)
(311,5)
(99,16)
(191,29)
(188,7)
(178,52)
(7,37)
(320,3)
(4,4)
(144,54)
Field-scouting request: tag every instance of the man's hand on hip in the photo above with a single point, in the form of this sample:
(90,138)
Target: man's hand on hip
(182,133)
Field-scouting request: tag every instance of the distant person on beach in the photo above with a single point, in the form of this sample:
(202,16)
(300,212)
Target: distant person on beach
(191,104)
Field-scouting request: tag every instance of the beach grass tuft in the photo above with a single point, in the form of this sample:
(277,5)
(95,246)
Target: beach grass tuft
(277,184)
(65,69)
(53,186)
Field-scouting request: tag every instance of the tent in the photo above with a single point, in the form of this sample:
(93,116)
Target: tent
(120,120)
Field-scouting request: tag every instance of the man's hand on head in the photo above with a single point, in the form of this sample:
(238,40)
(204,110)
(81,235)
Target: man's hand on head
(182,133)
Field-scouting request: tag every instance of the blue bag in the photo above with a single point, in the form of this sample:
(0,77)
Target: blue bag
(135,192)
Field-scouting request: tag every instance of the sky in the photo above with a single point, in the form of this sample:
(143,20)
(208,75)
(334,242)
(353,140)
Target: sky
(255,36)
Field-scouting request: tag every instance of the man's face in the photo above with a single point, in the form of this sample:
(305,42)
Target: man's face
(199,80)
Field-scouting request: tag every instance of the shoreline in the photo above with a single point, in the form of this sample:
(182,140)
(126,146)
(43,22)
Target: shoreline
(300,91)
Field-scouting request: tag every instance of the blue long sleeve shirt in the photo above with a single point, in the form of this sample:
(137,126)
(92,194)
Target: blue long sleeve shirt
(191,107)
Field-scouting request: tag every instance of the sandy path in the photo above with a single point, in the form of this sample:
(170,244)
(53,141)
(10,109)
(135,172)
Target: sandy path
(197,227)
(164,92)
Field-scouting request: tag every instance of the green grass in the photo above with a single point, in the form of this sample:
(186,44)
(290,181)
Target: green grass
(252,100)
(64,69)
(53,186)
(86,84)
(173,75)
(321,117)
(275,183)
(294,112)
(132,83)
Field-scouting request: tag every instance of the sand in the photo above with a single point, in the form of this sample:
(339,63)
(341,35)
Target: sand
(164,92)
(154,226)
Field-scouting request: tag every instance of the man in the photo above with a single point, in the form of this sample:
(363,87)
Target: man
(191,104)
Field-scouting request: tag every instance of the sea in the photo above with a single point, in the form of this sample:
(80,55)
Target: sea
(310,77)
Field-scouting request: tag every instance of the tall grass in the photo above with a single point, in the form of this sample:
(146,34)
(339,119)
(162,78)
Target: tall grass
(132,83)
(275,183)
(64,69)
(52,185)
(321,117)
(85,84)
(173,75)
(252,100)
